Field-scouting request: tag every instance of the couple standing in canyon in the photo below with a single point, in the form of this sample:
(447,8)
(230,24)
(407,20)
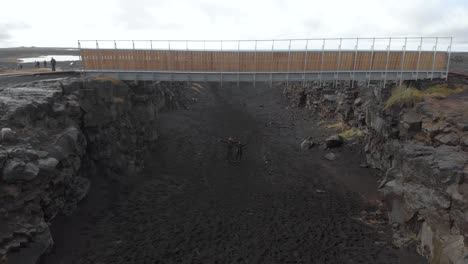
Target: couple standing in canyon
(230,144)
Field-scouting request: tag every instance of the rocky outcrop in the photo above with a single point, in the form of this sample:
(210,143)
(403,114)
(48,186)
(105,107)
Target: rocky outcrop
(53,135)
(420,148)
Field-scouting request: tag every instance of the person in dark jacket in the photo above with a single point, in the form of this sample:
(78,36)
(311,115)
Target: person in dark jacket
(53,62)
(45,64)
(240,150)
(230,145)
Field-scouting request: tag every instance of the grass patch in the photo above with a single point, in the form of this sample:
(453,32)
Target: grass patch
(25,71)
(112,80)
(338,126)
(403,95)
(442,91)
(352,133)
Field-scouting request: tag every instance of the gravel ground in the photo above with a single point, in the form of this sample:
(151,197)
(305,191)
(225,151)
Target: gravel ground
(279,205)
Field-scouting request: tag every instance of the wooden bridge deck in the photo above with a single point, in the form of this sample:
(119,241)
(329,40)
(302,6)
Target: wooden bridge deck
(262,61)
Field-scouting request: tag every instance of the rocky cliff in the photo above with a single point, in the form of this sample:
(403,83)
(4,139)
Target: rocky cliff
(54,134)
(421,147)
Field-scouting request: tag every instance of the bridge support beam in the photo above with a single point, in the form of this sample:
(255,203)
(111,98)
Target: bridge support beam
(262,77)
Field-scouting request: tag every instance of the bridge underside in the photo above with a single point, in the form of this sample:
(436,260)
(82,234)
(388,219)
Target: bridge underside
(264,77)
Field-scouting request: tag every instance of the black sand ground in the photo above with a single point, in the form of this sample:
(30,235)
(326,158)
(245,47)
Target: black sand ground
(279,205)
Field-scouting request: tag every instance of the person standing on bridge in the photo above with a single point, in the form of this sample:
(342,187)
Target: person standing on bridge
(45,64)
(53,62)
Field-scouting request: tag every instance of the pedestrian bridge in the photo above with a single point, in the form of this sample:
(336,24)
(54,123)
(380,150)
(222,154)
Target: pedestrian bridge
(338,59)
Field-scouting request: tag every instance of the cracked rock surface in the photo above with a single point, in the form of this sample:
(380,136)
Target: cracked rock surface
(420,148)
(54,133)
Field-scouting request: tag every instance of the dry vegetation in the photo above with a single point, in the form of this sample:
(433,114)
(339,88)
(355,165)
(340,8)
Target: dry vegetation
(352,133)
(339,126)
(112,80)
(24,71)
(345,131)
(403,95)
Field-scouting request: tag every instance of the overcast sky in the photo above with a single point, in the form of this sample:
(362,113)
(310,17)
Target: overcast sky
(60,23)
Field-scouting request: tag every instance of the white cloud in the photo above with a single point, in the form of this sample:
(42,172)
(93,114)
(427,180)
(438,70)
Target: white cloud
(62,23)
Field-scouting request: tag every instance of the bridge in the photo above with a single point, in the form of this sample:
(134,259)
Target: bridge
(322,60)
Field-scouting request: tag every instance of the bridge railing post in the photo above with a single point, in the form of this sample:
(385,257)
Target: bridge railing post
(419,57)
(116,62)
(150,58)
(222,63)
(99,54)
(272,60)
(370,63)
(135,61)
(403,61)
(321,62)
(338,62)
(386,63)
(238,62)
(449,51)
(434,57)
(355,60)
(187,52)
(289,60)
(169,63)
(83,61)
(305,64)
(255,65)
(204,62)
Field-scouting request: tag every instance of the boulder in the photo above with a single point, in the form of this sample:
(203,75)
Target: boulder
(450,139)
(7,135)
(334,141)
(411,123)
(433,129)
(36,248)
(358,102)
(330,156)
(57,108)
(329,98)
(18,170)
(70,142)
(48,163)
(378,124)
(438,248)
(26,154)
(307,144)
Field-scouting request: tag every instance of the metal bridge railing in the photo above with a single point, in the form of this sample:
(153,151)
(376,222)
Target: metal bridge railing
(409,57)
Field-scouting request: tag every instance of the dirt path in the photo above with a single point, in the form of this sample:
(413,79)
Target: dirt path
(279,205)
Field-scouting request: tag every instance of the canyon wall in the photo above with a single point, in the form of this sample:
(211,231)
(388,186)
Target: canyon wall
(56,135)
(421,147)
